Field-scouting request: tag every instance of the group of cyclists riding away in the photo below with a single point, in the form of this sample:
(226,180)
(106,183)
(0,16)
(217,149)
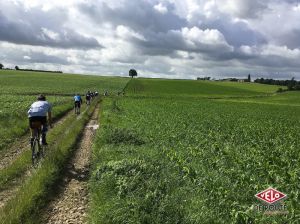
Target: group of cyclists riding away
(78,100)
(41,109)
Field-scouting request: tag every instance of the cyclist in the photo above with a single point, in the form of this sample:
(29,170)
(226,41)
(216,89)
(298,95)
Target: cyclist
(88,98)
(77,102)
(38,111)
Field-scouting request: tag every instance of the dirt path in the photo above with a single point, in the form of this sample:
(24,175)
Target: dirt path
(70,205)
(21,144)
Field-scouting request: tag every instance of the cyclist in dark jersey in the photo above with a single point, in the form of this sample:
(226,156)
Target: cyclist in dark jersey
(88,98)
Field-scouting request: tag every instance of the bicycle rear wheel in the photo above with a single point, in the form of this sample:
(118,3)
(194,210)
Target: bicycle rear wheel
(35,152)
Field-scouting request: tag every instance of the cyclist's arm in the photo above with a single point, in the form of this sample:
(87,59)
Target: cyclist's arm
(50,115)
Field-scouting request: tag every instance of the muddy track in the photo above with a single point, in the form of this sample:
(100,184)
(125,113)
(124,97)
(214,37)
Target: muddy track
(71,202)
(21,144)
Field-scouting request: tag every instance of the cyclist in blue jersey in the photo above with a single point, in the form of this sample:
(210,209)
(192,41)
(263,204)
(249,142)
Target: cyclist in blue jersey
(77,103)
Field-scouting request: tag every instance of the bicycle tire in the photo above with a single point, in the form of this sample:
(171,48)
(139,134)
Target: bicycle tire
(35,152)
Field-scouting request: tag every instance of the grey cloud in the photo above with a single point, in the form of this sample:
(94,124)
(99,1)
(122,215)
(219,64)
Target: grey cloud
(250,8)
(38,57)
(27,56)
(28,27)
(136,14)
(291,39)
(237,33)
(172,41)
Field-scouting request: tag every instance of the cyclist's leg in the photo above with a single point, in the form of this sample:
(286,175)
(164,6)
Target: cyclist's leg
(31,119)
(44,130)
(78,107)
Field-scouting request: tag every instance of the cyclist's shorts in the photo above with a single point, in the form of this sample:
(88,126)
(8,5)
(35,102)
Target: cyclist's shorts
(77,104)
(43,120)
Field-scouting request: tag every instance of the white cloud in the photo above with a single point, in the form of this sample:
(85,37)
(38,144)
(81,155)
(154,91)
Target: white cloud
(161,8)
(281,51)
(51,34)
(196,35)
(125,32)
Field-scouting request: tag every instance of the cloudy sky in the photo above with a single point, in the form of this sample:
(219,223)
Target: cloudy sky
(159,38)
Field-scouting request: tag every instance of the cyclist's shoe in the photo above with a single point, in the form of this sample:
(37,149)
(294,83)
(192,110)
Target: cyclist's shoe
(44,142)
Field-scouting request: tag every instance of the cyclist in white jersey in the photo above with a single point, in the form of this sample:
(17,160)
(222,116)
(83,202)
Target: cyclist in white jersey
(38,111)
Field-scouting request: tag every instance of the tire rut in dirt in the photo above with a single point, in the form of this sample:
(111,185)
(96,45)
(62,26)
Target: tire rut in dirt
(71,202)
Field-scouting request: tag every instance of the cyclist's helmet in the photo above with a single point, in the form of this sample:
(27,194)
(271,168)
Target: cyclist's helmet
(41,97)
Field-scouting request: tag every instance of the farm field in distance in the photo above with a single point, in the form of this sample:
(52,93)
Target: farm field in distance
(200,89)
(167,153)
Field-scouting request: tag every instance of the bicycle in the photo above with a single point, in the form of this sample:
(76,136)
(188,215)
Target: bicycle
(88,102)
(37,149)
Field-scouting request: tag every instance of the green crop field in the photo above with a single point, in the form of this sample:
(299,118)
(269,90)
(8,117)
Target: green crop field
(179,88)
(189,159)
(21,82)
(19,90)
(167,151)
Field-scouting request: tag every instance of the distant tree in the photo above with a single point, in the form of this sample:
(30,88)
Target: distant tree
(280,90)
(1,66)
(291,84)
(249,78)
(17,67)
(297,87)
(132,72)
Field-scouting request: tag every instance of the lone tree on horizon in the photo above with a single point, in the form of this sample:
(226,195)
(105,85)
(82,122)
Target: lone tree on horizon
(1,66)
(132,72)
(17,67)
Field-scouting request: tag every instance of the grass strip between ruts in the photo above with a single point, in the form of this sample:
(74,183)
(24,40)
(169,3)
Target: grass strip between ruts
(34,191)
